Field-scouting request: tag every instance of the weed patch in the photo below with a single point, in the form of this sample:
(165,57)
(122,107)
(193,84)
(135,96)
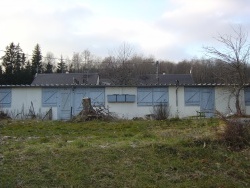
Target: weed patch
(235,135)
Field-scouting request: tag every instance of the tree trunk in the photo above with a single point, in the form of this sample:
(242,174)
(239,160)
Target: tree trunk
(87,108)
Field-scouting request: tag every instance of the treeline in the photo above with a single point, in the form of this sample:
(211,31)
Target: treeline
(120,67)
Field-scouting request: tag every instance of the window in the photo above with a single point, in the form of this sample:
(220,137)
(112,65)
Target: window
(5,98)
(124,98)
(152,96)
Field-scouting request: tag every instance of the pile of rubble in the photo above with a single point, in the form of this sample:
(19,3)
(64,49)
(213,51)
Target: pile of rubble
(90,113)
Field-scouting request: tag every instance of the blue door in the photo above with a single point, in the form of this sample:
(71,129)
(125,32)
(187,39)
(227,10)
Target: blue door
(207,101)
(79,94)
(65,104)
(202,97)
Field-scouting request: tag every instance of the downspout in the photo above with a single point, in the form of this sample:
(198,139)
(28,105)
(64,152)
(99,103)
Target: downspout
(176,97)
(176,92)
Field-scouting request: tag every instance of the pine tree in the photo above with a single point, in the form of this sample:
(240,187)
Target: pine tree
(61,67)
(27,73)
(48,63)
(2,79)
(9,59)
(13,61)
(49,68)
(36,61)
(19,60)
(14,66)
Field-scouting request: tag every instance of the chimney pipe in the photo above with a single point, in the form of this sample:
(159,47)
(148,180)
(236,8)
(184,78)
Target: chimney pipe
(157,71)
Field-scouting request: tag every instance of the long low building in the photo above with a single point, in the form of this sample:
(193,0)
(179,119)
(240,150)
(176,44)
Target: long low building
(65,100)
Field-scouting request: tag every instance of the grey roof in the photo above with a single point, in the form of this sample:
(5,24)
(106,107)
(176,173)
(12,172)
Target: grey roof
(102,86)
(166,79)
(66,78)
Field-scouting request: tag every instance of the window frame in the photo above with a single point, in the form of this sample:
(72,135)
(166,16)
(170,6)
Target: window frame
(121,98)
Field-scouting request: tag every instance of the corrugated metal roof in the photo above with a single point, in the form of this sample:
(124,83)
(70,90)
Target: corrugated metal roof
(166,79)
(95,85)
(66,78)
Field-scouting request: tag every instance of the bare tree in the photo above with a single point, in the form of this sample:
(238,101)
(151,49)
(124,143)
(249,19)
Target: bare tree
(142,65)
(234,59)
(122,68)
(204,70)
(86,56)
(107,66)
(124,53)
(76,62)
(90,61)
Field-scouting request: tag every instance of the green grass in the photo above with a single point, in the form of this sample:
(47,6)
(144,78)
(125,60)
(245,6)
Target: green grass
(172,153)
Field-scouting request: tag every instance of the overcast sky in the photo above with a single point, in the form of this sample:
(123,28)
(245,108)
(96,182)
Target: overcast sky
(166,29)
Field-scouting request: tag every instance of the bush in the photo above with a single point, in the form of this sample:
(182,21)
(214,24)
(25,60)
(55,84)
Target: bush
(236,134)
(4,115)
(160,112)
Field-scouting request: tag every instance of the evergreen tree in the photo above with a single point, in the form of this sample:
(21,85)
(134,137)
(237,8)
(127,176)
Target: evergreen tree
(9,59)
(13,62)
(28,67)
(36,61)
(49,61)
(19,60)
(27,73)
(2,79)
(49,68)
(14,66)
(61,67)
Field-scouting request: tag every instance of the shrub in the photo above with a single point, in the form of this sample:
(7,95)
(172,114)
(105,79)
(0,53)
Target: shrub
(4,115)
(160,112)
(236,134)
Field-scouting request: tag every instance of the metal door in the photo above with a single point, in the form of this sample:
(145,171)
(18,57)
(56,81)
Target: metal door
(207,101)
(65,104)
(79,94)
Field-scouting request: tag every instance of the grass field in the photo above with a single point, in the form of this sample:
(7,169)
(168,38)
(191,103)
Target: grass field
(172,153)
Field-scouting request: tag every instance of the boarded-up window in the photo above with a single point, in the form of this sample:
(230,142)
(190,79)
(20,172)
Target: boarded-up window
(247,96)
(130,98)
(49,97)
(192,96)
(112,98)
(97,96)
(152,96)
(5,98)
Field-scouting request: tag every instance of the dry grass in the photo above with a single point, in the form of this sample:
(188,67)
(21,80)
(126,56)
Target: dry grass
(171,153)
